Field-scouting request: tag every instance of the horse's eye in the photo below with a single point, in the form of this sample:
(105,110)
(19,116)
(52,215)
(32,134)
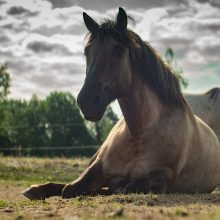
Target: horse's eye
(119,50)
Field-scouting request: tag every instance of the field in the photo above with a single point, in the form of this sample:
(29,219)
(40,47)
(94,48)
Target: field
(16,174)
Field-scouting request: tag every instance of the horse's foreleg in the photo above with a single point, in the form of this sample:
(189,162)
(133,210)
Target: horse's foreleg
(90,181)
(43,191)
(94,157)
(157,181)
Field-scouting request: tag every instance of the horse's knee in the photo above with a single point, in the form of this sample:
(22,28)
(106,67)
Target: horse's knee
(70,191)
(89,181)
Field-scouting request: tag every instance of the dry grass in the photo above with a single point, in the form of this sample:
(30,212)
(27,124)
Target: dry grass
(17,173)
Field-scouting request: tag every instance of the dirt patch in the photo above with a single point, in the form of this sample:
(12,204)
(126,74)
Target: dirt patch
(13,205)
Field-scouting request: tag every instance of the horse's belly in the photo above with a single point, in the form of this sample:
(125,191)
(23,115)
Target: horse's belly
(192,184)
(201,179)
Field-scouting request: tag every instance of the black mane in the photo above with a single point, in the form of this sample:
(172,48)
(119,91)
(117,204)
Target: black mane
(151,66)
(213,93)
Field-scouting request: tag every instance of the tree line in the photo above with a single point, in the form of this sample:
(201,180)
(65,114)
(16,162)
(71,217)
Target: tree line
(51,122)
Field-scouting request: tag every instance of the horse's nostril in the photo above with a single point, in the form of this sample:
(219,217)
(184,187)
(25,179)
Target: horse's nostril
(96,100)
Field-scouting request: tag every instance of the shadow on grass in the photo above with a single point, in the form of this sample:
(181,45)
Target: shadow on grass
(167,200)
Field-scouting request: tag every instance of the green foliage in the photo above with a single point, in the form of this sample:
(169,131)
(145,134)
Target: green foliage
(169,56)
(64,122)
(101,129)
(4,91)
(4,81)
(15,121)
(51,122)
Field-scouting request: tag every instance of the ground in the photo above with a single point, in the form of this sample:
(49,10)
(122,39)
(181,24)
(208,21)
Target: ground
(16,174)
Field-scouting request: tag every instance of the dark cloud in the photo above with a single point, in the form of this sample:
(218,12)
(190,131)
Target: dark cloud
(61,4)
(2,2)
(176,43)
(70,74)
(181,10)
(76,29)
(4,39)
(56,82)
(20,68)
(16,28)
(48,31)
(106,4)
(20,11)
(67,68)
(41,47)
(215,3)
(209,51)
(199,27)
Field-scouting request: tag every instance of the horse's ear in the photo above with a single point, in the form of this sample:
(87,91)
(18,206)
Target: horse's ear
(91,25)
(122,19)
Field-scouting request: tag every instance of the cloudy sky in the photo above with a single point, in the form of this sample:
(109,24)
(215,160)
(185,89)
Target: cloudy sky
(42,40)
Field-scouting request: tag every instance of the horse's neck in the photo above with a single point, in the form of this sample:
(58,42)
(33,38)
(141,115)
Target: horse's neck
(141,107)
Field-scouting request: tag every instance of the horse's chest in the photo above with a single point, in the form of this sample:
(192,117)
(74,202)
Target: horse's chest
(128,162)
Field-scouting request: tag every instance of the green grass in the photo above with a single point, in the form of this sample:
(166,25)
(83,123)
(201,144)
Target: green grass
(18,173)
(25,171)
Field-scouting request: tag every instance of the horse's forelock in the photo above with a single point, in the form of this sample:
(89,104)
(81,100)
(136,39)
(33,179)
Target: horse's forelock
(110,28)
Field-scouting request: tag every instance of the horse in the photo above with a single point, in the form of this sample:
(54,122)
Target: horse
(207,107)
(159,145)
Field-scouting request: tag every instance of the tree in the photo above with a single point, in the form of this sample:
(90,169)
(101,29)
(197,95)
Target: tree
(54,121)
(4,81)
(169,56)
(4,124)
(4,91)
(35,114)
(65,124)
(16,123)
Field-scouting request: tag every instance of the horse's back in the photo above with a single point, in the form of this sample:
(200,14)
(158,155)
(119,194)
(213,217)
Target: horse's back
(200,106)
(207,107)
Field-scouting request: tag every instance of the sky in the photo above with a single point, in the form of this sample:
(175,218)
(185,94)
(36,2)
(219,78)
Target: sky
(42,41)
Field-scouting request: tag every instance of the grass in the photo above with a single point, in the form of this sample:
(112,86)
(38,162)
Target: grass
(26,171)
(18,173)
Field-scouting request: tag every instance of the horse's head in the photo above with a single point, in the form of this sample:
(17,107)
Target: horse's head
(108,71)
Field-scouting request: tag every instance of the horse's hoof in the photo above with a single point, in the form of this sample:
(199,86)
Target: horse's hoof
(68,191)
(34,193)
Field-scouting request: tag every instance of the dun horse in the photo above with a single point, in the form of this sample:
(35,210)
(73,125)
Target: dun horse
(207,107)
(159,145)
